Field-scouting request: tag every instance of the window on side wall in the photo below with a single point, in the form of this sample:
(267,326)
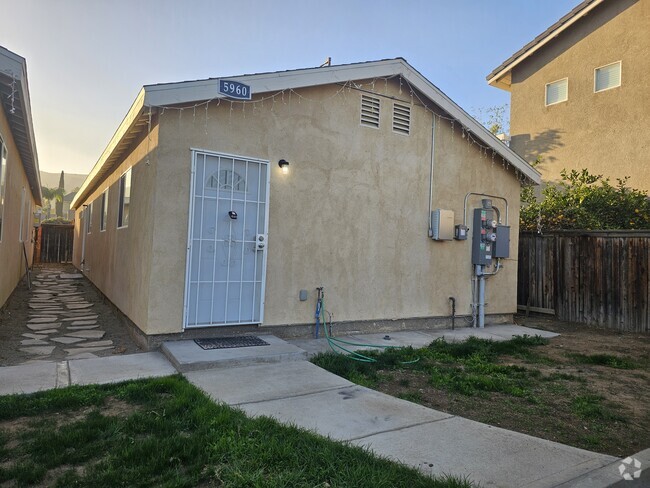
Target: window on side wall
(3,183)
(104,211)
(607,77)
(557,92)
(124,200)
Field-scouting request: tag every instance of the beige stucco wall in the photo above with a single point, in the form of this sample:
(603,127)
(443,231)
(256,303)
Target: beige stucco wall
(11,247)
(118,261)
(606,132)
(352,214)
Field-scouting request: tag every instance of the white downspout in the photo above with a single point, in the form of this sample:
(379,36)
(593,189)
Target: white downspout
(433,154)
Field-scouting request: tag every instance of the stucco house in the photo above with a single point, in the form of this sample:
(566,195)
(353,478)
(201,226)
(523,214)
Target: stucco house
(220,205)
(20,188)
(580,92)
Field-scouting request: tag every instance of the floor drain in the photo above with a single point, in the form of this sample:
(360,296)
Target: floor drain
(230,342)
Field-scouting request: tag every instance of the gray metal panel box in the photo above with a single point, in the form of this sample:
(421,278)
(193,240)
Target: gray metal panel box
(482,245)
(442,224)
(502,245)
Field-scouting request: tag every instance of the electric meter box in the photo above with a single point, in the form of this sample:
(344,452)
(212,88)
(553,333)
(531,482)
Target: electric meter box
(502,244)
(483,237)
(442,225)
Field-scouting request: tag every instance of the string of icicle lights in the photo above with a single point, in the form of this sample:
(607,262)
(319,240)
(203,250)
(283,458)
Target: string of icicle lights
(288,95)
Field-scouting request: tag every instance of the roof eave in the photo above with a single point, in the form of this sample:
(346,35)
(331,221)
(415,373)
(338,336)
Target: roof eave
(20,118)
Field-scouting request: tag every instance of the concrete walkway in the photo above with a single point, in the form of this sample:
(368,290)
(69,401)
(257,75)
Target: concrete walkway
(298,392)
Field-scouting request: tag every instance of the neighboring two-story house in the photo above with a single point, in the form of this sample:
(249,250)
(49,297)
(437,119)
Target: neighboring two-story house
(580,93)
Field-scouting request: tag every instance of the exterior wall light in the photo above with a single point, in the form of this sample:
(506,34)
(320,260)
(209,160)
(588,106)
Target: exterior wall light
(284,164)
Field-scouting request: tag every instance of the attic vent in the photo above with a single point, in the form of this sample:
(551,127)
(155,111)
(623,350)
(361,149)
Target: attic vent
(369,111)
(401,119)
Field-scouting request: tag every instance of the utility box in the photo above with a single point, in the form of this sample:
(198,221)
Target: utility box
(442,225)
(483,236)
(502,244)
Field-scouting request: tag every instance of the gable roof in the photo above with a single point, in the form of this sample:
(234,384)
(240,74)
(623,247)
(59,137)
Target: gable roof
(14,92)
(501,76)
(168,94)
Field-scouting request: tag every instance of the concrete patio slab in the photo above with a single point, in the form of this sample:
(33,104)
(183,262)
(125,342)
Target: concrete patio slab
(113,369)
(188,356)
(27,378)
(508,331)
(345,413)
(265,382)
(488,455)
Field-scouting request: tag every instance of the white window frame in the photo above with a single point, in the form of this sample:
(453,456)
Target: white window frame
(546,104)
(89,221)
(4,153)
(120,199)
(22,215)
(103,216)
(620,76)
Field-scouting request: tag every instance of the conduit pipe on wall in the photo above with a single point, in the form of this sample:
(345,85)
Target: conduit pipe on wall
(484,195)
(433,153)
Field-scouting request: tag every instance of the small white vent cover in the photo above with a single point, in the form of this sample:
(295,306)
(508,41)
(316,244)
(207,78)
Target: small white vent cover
(402,118)
(369,111)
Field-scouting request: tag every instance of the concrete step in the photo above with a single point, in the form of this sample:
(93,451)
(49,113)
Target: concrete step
(188,356)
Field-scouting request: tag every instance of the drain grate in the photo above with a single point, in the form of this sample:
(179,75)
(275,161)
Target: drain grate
(230,342)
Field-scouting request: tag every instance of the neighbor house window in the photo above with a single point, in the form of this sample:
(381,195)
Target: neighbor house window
(104,214)
(89,220)
(607,77)
(124,200)
(557,92)
(3,183)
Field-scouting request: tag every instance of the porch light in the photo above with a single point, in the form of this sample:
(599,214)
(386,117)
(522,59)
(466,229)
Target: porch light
(284,164)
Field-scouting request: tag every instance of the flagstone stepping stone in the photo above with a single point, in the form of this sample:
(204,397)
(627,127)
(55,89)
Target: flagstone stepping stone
(34,342)
(67,340)
(71,293)
(79,306)
(82,327)
(82,355)
(85,317)
(35,336)
(80,350)
(38,350)
(42,320)
(42,327)
(98,343)
(84,322)
(49,331)
(87,334)
(71,276)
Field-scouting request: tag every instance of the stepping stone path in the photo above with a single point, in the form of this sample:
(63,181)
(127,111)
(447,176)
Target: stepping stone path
(61,317)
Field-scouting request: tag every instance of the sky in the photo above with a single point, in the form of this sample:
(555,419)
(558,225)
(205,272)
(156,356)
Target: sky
(87,59)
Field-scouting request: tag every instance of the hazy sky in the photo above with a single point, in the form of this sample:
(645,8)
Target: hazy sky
(87,59)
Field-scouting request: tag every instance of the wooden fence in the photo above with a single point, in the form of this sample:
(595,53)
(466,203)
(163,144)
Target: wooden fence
(593,277)
(54,243)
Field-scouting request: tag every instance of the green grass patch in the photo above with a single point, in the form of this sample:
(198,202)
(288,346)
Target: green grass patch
(592,407)
(470,367)
(609,360)
(165,432)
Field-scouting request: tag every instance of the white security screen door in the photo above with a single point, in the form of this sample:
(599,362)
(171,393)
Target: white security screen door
(226,258)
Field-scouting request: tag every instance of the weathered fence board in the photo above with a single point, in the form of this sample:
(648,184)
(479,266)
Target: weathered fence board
(593,277)
(54,243)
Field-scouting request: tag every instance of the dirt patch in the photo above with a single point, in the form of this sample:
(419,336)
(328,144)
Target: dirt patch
(594,407)
(16,314)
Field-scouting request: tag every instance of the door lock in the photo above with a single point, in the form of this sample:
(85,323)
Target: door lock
(260,242)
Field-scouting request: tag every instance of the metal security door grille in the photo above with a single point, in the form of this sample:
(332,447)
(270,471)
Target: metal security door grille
(226,261)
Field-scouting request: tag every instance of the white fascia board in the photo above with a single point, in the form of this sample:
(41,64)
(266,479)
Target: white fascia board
(194,91)
(131,116)
(443,101)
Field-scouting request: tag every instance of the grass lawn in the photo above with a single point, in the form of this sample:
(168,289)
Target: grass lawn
(165,432)
(596,401)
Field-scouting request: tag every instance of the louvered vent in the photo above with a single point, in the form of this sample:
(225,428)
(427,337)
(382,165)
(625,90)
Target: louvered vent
(369,111)
(402,119)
